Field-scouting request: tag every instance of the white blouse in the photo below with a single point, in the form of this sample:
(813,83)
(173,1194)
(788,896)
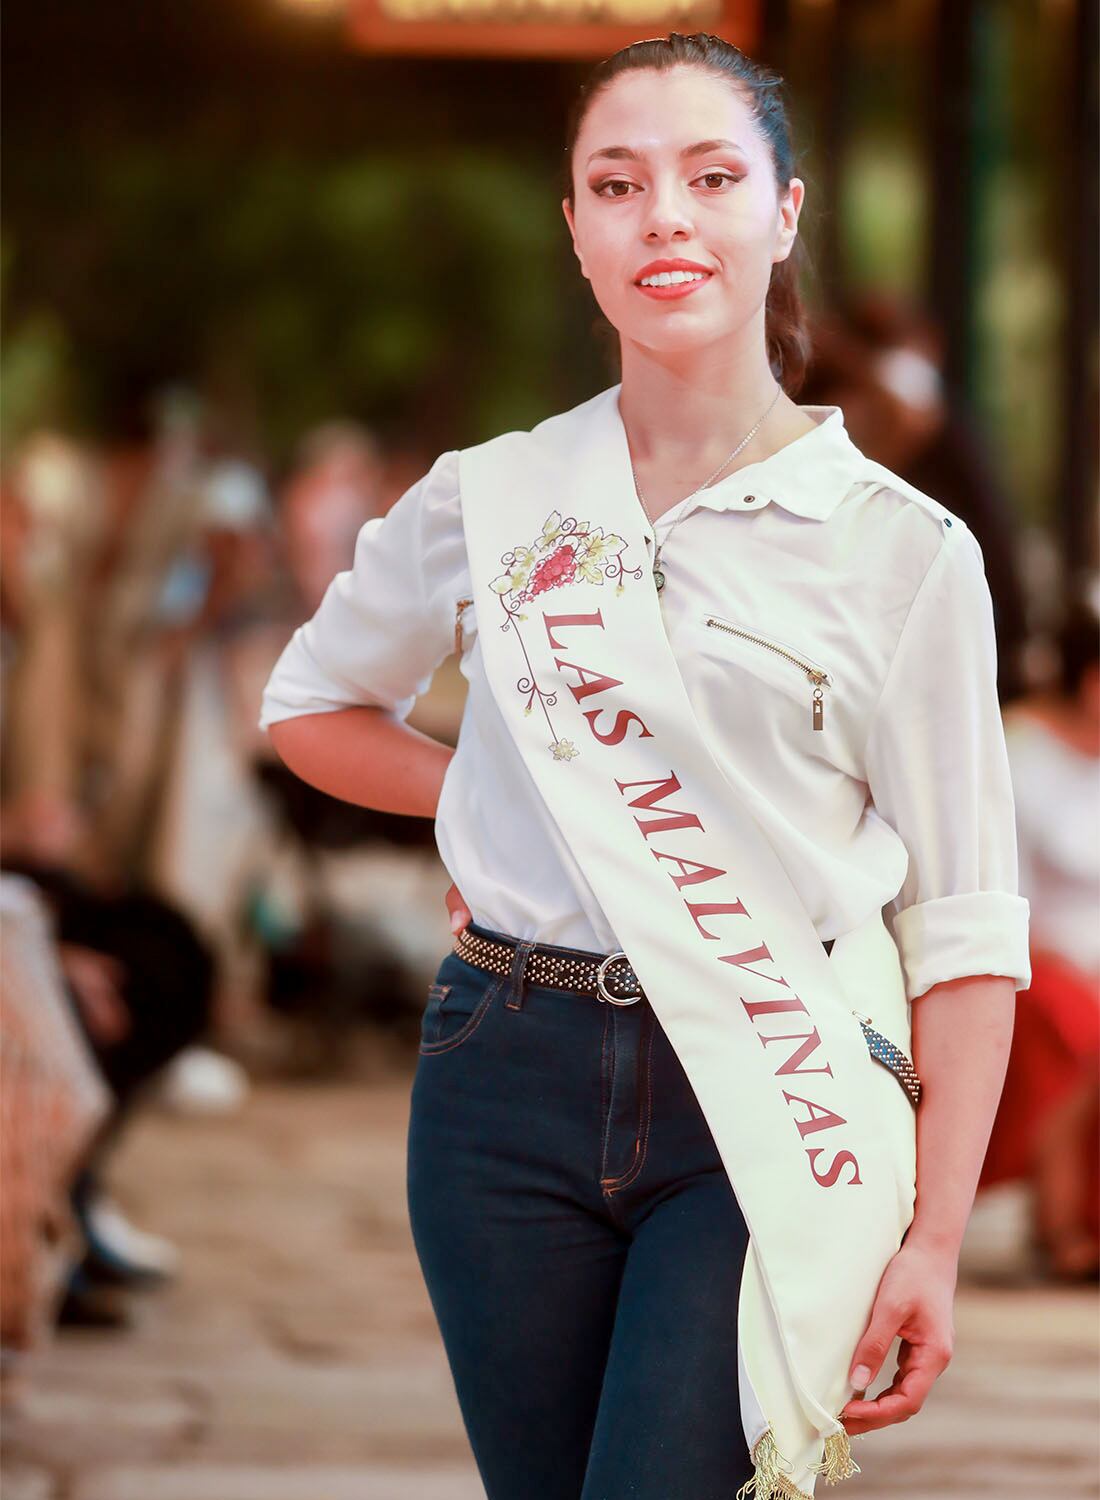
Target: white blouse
(797,564)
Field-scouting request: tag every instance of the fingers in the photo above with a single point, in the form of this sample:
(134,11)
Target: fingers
(913,1303)
(919,1366)
(459,911)
(872,1347)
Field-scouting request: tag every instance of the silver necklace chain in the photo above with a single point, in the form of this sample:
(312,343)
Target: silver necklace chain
(658,573)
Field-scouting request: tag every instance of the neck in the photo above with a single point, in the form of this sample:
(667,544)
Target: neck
(688,414)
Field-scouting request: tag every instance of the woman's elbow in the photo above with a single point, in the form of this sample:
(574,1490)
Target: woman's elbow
(291,738)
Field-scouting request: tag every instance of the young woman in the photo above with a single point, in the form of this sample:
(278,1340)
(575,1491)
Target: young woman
(731,712)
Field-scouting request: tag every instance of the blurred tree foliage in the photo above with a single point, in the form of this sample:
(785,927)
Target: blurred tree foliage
(36,366)
(405,287)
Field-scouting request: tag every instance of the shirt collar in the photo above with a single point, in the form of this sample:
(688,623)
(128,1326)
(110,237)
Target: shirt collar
(809,476)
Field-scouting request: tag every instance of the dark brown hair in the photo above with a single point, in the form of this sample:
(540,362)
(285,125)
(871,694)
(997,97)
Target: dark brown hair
(787,333)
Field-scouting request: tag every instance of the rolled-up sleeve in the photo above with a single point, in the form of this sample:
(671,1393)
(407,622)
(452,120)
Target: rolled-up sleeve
(938,773)
(385,624)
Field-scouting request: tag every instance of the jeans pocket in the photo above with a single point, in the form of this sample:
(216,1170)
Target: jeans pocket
(455,1009)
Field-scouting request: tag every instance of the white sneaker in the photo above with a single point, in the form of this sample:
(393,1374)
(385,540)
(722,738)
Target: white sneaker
(114,1234)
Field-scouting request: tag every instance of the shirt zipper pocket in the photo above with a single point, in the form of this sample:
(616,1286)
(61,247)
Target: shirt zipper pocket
(460,605)
(817,676)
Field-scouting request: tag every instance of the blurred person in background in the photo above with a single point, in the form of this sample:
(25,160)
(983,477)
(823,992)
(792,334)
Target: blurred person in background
(183,578)
(881,362)
(336,907)
(186,574)
(139,981)
(1046,1135)
(209,826)
(137,975)
(53,510)
(53,1099)
(336,485)
(152,462)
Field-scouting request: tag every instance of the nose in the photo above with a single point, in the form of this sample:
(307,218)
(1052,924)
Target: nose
(668,211)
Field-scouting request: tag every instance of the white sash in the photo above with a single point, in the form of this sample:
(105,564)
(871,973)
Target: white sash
(818,1140)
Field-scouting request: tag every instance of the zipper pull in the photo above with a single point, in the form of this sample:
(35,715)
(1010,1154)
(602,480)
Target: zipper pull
(460,605)
(819,700)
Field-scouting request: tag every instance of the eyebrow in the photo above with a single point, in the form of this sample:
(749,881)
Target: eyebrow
(700,148)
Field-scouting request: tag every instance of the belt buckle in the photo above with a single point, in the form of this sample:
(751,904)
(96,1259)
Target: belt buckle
(604,993)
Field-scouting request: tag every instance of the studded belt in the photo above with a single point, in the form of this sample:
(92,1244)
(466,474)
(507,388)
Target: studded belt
(600,976)
(610,977)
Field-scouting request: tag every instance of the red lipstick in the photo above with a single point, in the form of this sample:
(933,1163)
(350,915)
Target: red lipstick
(676,288)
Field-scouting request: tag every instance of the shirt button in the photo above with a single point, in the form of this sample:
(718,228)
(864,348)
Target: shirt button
(749,499)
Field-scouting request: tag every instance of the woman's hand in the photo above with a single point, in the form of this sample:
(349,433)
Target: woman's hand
(460,912)
(914,1299)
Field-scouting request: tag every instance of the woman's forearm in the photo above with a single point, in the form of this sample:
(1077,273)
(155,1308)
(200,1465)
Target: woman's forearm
(962,1032)
(367,756)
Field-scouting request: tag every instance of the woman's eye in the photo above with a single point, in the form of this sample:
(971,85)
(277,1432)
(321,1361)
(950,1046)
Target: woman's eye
(620,182)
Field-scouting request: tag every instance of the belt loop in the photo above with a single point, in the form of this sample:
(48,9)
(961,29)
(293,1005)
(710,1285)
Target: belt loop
(517,978)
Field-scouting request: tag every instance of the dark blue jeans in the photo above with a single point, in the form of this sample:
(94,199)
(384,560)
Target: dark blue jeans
(580,1242)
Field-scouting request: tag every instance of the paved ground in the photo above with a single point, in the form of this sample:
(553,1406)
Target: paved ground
(296,1358)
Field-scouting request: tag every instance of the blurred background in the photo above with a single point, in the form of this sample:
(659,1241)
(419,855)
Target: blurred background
(261,261)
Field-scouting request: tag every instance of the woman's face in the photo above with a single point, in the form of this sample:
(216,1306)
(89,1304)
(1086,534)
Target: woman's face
(670,166)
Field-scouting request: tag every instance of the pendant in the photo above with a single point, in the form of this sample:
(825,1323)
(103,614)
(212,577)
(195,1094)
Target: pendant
(659,579)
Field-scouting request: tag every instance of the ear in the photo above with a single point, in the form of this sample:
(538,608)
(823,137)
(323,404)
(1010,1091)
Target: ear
(790,206)
(567,210)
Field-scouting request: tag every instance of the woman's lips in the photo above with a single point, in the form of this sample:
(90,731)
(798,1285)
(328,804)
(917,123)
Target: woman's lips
(679,289)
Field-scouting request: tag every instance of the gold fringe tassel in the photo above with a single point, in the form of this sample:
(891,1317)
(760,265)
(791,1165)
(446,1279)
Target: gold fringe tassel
(768,1483)
(838,1462)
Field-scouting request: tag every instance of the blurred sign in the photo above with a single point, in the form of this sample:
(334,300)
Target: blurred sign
(539,28)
